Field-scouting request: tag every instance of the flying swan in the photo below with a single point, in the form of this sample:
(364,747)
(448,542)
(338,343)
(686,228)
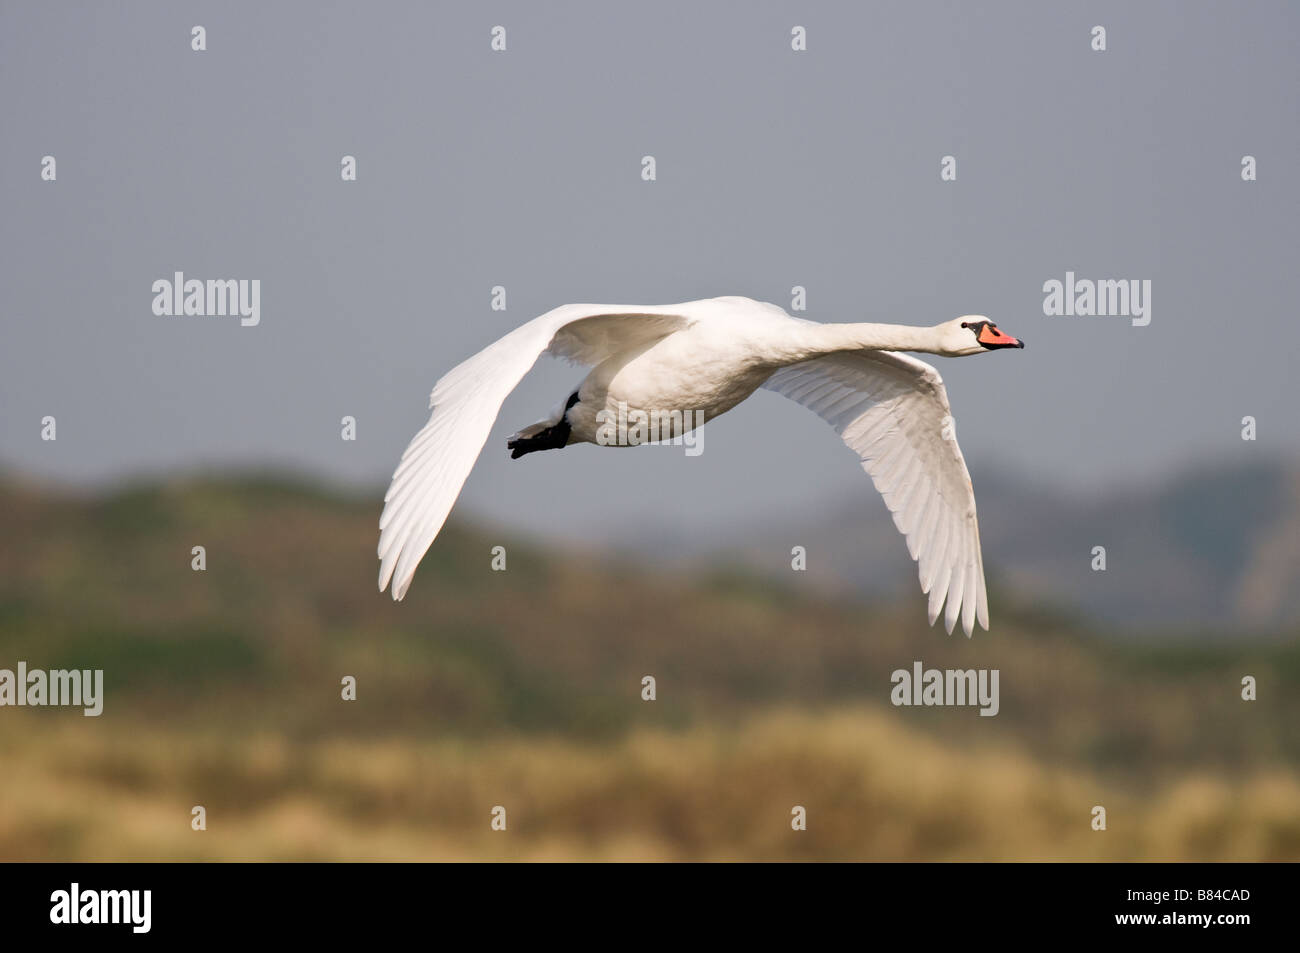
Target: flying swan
(708,356)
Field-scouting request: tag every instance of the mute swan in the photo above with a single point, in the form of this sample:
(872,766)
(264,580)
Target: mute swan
(708,356)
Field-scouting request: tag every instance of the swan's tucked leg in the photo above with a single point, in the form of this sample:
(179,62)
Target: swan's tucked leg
(550,434)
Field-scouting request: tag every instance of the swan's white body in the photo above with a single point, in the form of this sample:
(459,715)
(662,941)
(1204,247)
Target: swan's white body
(709,356)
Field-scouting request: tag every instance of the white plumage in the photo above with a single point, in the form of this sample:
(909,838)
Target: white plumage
(707,356)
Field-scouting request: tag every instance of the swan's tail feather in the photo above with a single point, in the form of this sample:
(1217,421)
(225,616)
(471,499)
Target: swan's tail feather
(549,434)
(531,431)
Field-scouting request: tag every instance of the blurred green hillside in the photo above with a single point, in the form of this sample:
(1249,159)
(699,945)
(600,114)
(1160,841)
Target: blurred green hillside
(523,688)
(1216,546)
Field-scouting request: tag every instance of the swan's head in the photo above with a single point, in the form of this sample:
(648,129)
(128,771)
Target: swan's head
(974,334)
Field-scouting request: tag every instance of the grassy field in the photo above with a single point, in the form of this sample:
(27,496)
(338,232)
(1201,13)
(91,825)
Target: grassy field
(523,689)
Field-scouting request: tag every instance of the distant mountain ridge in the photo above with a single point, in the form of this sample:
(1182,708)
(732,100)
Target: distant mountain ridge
(1216,546)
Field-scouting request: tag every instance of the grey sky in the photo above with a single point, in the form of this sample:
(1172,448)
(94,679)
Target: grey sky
(522,169)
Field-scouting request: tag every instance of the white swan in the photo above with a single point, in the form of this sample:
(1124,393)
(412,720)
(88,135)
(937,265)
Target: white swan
(709,356)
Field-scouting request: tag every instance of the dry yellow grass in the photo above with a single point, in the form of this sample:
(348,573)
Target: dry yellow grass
(222,688)
(873,789)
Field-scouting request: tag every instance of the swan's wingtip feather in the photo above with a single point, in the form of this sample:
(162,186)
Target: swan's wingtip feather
(400,587)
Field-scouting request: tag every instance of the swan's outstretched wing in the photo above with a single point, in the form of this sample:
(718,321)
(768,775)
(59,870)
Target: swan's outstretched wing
(892,411)
(465,404)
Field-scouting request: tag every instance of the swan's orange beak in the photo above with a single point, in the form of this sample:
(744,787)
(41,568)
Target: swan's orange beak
(991,337)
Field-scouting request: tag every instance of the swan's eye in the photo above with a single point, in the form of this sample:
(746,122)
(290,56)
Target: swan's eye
(965,324)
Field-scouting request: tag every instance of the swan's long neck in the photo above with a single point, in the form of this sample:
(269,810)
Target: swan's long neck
(813,340)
